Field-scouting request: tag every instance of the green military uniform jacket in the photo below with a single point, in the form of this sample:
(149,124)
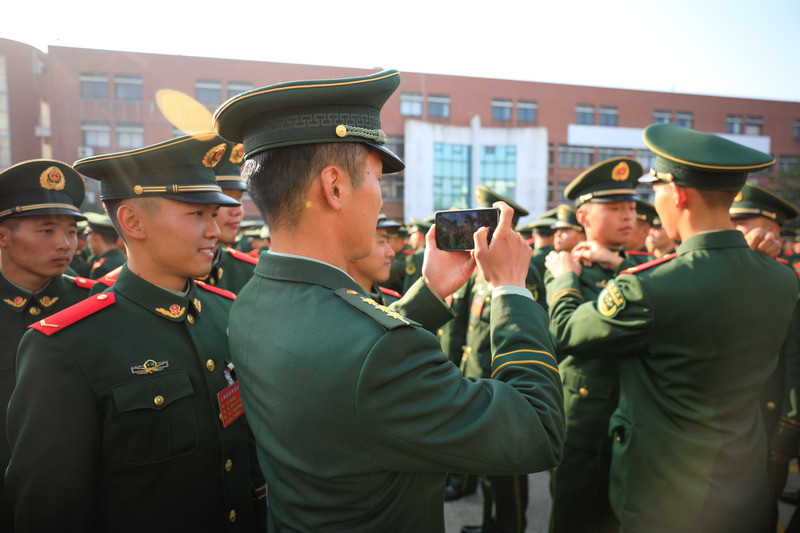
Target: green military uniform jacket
(106,263)
(538,257)
(115,423)
(231,269)
(19,309)
(356,410)
(780,400)
(413,269)
(697,336)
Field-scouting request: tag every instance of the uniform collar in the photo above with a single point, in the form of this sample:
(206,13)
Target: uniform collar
(20,300)
(728,238)
(287,267)
(159,301)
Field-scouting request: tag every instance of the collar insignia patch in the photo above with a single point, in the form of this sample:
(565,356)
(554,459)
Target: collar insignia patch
(149,367)
(175,311)
(17,302)
(197,305)
(46,301)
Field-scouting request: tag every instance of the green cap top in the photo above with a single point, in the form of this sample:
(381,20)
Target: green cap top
(646,212)
(567,217)
(756,201)
(700,160)
(385,223)
(540,226)
(613,180)
(228,170)
(422,225)
(100,223)
(486,197)
(41,187)
(550,213)
(311,111)
(181,169)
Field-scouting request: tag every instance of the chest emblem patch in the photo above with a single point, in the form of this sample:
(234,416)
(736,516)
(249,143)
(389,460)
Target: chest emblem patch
(149,367)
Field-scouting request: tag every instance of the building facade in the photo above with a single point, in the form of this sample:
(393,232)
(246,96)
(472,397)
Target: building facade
(527,140)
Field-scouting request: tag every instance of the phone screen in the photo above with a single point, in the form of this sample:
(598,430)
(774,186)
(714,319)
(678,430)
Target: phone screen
(454,228)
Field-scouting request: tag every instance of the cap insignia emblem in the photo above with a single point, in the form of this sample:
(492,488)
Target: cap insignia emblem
(213,156)
(620,172)
(738,197)
(47,301)
(175,311)
(17,302)
(237,154)
(52,179)
(149,367)
(562,213)
(478,196)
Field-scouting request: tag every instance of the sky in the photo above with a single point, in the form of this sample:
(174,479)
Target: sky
(744,48)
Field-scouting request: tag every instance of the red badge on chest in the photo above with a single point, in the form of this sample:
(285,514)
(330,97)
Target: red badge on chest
(230,404)
(477,306)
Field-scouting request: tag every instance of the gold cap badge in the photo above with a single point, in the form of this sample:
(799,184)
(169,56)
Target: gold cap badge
(214,156)
(237,154)
(738,197)
(620,172)
(562,213)
(52,179)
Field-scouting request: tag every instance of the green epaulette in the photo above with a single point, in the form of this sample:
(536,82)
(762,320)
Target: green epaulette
(377,312)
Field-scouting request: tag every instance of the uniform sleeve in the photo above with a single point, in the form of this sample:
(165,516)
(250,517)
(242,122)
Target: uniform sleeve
(54,435)
(621,317)
(418,413)
(787,438)
(422,306)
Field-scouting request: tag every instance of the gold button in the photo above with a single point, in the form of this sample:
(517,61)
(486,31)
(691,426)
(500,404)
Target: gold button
(583,391)
(771,406)
(212,281)
(469,349)
(471,328)
(102,296)
(341,130)
(190,319)
(440,332)
(158,400)
(232,516)
(137,189)
(488,299)
(228,465)
(619,439)
(34,311)
(210,365)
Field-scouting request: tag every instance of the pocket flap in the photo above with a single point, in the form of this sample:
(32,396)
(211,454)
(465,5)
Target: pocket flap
(152,392)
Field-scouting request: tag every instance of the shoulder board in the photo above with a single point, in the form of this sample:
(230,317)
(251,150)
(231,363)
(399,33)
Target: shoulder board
(216,290)
(70,315)
(80,281)
(782,260)
(241,256)
(99,263)
(109,279)
(649,264)
(390,292)
(407,251)
(637,252)
(377,312)
(532,240)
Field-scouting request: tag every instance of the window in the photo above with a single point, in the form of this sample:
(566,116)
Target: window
(797,129)
(787,163)
(574,156)
(609,153)
(238,87)
(411,104)
(527,112)
(392,188)
(501,110)
(451,175)
(584,114)
(499,169)
(130,136)
(94,86)
(561,199)
(396,143)
(661,116)
(755,125)
(438,106)
(208,92)
(550,151)
(96,134)
(733,124)
(609,116)
(128,87)
(646,158)
(684,118)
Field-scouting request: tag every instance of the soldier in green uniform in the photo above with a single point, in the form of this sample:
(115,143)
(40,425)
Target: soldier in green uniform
(645,215)
(126,415)
(102,240)
(231,268)
(606,199)
(542,241)
(413,262)
(569,231)
(658,243)
(356,409)
(756,207)
(80,265)
(696,336)
(39,202)
(374,269)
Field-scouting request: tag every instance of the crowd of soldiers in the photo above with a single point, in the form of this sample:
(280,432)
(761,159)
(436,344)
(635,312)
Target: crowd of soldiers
(167,369)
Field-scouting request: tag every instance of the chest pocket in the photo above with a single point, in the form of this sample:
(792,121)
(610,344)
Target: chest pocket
(155,419)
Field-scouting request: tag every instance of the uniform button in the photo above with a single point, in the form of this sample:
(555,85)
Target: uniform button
(469,349)
(102,296)
(232,516)
(34,311)
(488,299)
(210,365)
(619,439)
(228,465)
(471,329)
(158,400)
(214,282)
(771,406)
(440,332)
(190,319)
(583,391)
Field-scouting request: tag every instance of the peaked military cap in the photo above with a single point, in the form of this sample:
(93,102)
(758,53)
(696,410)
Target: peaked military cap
(756,201)
(228,170)
(543,226)
(385,223)
(613,180)
(181,169)
(700,160)
(309,112)
(100,223)
(550,213)
(486,197)
(422,225)
(41,187)
(567,218)
(646,212)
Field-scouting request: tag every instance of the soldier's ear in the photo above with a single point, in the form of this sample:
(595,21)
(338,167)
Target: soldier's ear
(132,222)
(332,178)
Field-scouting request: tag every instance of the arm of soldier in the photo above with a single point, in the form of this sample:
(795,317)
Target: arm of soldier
(419,413)
(620,317)
(453,335)
(786,442)
(763,241)
(422,305)
(54,433)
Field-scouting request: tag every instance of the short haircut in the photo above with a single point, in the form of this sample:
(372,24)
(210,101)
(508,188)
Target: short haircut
(11,223)
(149,204)
(717,199)
(278,179)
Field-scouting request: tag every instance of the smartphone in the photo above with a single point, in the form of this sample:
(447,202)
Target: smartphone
(454,228)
